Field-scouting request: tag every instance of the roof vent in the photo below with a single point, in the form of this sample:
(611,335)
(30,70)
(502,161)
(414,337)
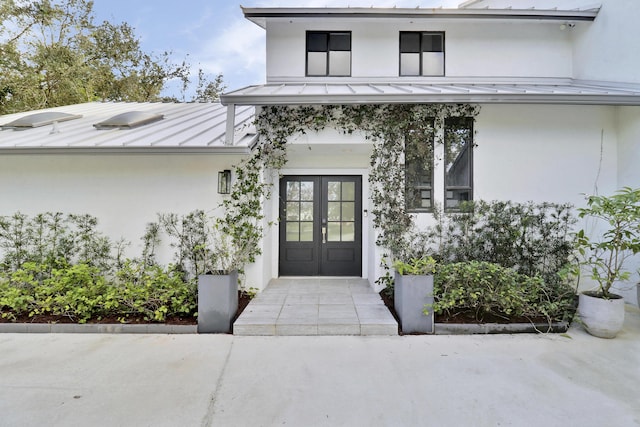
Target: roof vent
(129,120)
(39,119)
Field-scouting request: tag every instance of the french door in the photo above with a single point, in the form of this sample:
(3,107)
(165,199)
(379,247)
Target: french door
(320,226)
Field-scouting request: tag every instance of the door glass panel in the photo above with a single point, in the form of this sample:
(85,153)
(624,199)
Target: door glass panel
(306,191)
(334,211)
(293,232)
(306,231)
(348,211)
(306,211)
(293,191)
(333,234)
(341,209)
(348,232)
(300,211)
(348,191)
(334,190)
(292,211)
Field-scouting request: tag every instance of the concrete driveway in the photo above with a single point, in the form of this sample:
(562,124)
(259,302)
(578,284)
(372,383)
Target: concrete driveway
(221,380)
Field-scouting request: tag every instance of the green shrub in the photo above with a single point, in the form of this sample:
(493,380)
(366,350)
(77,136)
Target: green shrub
(534,239)
(73,291)
(153,292)
(484,289)
(80,292)
(60,265)
(52,240)
(416,266)
(13,300)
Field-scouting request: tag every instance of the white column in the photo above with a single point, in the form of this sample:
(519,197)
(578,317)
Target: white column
(231,125)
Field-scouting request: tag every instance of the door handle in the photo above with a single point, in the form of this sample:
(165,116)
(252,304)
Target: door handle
(324,234)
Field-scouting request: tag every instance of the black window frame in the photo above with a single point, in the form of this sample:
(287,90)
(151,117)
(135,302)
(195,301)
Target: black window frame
(412,137)
(469,122)
(420,51)
(328,49)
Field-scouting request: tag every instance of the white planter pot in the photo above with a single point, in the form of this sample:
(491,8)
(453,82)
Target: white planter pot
(602,318)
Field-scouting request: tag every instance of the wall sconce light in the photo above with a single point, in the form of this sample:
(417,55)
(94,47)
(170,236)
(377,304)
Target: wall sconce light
(224,182)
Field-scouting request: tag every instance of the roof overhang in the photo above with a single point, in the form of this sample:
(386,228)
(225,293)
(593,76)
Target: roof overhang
(217,151)
(259,16)
(571,92)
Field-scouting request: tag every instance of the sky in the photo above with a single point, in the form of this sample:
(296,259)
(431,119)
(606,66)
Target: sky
(213,34)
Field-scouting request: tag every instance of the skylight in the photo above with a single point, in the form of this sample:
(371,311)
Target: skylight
(39,119)
(129,120)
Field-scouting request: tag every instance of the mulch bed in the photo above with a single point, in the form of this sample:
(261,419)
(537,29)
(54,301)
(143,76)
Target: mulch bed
(243,301)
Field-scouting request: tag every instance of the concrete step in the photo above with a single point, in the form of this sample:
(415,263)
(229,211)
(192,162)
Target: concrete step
(316,306)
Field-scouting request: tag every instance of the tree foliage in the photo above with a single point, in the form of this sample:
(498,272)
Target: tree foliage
(53,53)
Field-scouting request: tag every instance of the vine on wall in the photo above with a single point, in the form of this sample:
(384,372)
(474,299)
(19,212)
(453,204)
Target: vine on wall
(386,125)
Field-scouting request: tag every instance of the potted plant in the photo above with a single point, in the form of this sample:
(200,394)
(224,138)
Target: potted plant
(602,311)
(413,289)
(218,287)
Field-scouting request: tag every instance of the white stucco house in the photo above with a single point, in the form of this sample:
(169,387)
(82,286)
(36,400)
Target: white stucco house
(557,83)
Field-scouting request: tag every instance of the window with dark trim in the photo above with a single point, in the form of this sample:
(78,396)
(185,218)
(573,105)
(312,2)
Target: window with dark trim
(421,53)
(458,155)
(328,53)
(418,163)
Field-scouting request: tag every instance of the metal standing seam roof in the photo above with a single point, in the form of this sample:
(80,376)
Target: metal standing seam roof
(186,127)
(572,92)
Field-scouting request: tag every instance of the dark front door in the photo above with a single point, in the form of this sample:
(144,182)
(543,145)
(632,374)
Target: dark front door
(320,226)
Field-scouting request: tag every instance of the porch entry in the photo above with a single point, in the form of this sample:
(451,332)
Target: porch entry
(320,226)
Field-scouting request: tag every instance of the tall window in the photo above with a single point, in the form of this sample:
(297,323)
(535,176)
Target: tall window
(419,168)
(421,53)
(328,53)
(458,154)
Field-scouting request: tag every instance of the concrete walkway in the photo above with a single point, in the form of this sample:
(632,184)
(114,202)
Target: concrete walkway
(316,306)
(222,380)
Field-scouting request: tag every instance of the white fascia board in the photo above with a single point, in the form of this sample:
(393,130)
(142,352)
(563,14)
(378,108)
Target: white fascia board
(260,15)
(449,98)
(446,99)
(126,151)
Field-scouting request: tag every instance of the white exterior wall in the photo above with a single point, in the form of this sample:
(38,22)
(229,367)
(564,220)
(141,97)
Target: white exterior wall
(605,49)
(629,175)
(608,50)
(125,192)
(544,153)
(492,49)
(629,146)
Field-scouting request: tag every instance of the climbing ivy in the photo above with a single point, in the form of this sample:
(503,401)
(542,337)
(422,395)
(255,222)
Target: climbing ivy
(386,125)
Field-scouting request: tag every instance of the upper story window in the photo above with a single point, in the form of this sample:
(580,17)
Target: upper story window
(328,53)
(421,53)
